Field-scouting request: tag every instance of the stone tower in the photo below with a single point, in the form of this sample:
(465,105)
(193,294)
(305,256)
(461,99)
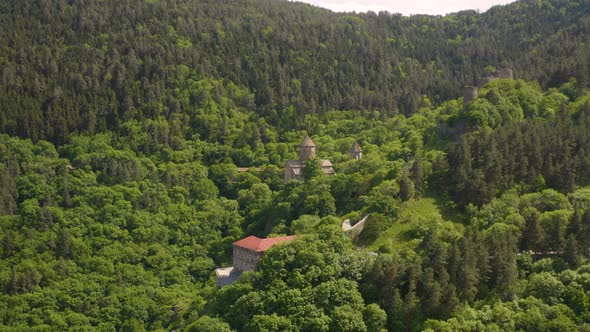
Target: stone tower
(306,149)
(469,93)
(355,152)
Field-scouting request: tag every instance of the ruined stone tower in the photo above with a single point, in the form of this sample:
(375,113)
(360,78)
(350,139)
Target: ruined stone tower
(469,93)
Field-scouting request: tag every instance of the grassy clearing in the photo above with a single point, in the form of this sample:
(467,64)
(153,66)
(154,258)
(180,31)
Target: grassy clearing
(415,217)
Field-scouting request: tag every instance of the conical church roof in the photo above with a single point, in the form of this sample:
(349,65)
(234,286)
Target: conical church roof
(356,147)
(307,141)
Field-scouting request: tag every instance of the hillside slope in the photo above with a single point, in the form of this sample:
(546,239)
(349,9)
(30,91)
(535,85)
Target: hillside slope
(86,66)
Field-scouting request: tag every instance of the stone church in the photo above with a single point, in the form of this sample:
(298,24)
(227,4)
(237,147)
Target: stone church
(294,168)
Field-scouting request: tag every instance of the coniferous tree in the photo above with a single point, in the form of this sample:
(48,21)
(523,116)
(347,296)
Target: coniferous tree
(8,245)
(571,252)
(417,176)
(406,189)
(533,235)
(469,275)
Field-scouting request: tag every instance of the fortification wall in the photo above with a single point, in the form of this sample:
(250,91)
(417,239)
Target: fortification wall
(503,73)
(354,231)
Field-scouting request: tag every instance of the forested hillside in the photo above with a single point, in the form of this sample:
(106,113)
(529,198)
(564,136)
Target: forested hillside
(140,139)
(77,66)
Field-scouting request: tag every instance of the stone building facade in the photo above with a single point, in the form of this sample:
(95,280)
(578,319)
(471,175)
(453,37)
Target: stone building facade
(245,259)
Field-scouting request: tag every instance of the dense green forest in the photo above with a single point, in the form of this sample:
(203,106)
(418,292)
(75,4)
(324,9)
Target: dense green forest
(87,66)
(140,139)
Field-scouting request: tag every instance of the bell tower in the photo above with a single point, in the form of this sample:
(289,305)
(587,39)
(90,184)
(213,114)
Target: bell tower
(306,149)
(355,152)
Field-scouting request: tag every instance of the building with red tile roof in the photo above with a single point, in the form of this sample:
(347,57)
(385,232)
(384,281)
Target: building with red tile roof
(260,245)
(246,254)
(248,251)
